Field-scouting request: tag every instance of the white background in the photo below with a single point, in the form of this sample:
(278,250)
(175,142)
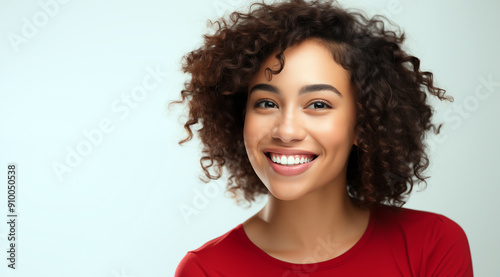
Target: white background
(116,211)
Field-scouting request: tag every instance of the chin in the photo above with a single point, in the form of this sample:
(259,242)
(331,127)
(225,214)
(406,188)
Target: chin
(287,191)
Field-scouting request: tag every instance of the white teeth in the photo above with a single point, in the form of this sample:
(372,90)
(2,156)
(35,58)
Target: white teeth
(290,160)
(284,160)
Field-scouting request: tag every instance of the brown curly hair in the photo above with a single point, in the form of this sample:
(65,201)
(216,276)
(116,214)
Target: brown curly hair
(392,118)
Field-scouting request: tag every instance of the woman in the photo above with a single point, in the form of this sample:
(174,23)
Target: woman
(322,110)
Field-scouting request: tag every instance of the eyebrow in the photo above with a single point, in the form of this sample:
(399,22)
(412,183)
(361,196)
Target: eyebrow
(304,89)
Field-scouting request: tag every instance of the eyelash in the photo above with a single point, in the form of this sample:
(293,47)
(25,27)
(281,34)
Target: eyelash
(327,105)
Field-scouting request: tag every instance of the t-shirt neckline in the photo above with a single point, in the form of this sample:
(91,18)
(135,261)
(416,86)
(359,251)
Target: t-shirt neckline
(309,266)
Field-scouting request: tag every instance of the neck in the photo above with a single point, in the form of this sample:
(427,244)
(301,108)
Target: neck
(324,215)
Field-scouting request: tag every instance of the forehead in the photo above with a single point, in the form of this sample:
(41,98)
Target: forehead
(308,62)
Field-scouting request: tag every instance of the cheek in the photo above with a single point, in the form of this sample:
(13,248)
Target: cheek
(333,132)
(251,134)
(257,127)
(250,131)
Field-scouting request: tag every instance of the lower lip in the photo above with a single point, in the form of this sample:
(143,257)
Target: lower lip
(289,170)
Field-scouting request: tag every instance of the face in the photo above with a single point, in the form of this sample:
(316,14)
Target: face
(299,127)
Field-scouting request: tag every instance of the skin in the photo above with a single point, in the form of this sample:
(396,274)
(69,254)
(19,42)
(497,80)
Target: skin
(305,209)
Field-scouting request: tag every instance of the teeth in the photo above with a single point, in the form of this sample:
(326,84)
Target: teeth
(289,160)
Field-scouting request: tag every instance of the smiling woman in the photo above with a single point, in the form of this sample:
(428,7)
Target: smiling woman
(334,138)
(310,114)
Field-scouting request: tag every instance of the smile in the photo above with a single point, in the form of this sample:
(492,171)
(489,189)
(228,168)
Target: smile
(290,160)
(298,163)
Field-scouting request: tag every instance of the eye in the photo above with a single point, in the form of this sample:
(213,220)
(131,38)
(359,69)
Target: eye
(319,105)
(265,104)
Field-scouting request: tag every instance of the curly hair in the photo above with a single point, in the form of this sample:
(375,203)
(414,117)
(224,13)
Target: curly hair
(392,114)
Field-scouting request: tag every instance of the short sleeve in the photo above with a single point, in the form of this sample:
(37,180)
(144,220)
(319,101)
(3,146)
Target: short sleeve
(190,266)
(450,254)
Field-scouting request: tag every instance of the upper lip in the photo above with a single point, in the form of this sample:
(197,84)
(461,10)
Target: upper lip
(289,151)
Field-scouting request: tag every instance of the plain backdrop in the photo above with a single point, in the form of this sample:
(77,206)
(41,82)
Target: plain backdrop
(102,182)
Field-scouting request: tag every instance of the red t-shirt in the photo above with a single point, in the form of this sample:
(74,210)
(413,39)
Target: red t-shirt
(397,242)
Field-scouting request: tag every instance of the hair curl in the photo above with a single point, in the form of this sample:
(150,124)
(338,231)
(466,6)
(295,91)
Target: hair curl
(393,115)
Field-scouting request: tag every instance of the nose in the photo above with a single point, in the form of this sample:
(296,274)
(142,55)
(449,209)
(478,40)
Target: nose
(288,127)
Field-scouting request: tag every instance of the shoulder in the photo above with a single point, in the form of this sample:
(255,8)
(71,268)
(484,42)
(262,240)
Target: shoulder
(190,265)
(440,242)
(201,261)
(411,217)
(433,225)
